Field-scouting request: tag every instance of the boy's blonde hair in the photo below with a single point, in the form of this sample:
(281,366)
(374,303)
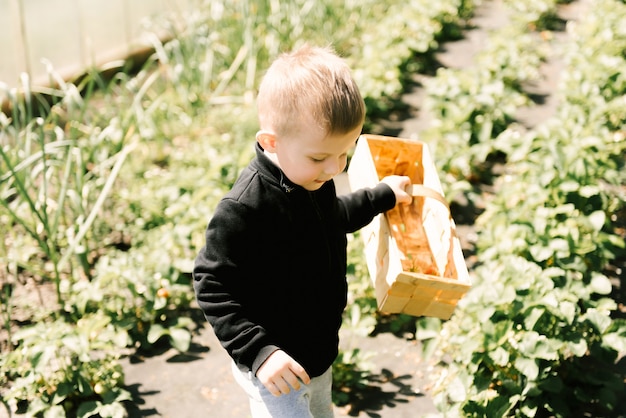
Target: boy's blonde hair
(310,79)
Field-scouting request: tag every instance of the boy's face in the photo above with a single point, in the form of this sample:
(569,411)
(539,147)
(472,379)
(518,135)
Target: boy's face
(311,157)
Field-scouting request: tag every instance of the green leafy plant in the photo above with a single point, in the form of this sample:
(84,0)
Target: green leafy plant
(350,372)
(536,14)
(538,334)
(469,109)
(57,176)
(144,303)
(65,369)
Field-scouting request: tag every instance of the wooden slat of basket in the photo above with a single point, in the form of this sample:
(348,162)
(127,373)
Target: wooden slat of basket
(434,308)
(434,229)
(395,156)
(419,295)
(380,255)
(411,237)
(435,282)
(424,306)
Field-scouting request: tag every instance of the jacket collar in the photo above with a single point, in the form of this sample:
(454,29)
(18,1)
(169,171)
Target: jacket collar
(270,170)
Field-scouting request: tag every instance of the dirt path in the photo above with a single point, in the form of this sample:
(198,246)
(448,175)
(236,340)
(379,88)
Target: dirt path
(200,383)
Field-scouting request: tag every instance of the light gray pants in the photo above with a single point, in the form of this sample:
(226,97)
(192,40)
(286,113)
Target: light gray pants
(311,401)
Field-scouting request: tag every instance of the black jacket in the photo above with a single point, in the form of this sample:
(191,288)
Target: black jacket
(273,271)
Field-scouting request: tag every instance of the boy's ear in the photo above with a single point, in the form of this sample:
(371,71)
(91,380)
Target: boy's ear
(267,140)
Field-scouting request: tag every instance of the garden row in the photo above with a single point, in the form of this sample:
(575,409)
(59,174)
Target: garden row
(106,186)
(540,332)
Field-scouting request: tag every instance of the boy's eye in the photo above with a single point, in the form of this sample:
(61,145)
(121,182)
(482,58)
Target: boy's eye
(317,160)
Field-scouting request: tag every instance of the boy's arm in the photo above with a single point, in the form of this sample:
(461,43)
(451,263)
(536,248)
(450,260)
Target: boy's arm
(358,208)
(218,284)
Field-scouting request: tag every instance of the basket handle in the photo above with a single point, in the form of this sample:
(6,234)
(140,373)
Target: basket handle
(424,191)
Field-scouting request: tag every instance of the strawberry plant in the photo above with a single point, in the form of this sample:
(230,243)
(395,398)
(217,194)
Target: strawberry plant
(62,368)
(537,14)
(539,334)
(470,107)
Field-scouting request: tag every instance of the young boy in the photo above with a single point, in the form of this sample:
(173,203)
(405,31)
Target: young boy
(271,278)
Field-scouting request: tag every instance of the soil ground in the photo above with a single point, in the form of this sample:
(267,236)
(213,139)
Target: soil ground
(200,384)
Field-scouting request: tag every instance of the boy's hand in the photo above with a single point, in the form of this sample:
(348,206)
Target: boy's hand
(399,185)
(281,371)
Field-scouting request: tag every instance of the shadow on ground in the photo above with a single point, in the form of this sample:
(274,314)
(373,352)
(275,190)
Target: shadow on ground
(142,404)
(134,408)
(383,390)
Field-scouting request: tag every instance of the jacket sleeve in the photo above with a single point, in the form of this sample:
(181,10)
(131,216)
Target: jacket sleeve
(219,285)
(357,209)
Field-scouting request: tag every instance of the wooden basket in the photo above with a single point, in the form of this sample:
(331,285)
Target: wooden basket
(413,254)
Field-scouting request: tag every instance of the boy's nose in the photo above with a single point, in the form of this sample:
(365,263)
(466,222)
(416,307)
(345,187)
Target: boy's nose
(333,168)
